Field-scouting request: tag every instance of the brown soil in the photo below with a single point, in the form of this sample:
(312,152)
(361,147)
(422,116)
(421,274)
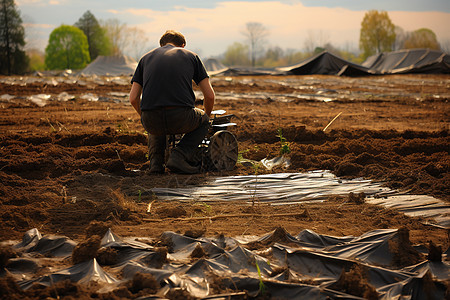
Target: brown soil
(69,163)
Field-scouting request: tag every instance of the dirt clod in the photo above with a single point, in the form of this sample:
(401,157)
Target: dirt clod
(97,228)
(107,256)
(403,252)
(144,282)
(354,282)
(86,250)
(434,252)
(5,254)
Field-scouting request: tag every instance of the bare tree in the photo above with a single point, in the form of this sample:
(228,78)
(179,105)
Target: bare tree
(116,32)
(400,37)
(137,43)
(255,33)
(315,40)
(126,40)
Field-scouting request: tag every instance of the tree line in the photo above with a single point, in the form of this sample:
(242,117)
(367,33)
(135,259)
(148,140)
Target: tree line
(69,46)
(377,34)
(74,46)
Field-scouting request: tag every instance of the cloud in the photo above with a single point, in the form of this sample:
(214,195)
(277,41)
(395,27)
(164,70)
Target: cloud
(217,28)
(40,2)
(289,23)
(44,26)
(113,11)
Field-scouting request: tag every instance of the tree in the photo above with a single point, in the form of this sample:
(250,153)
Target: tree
(12,40)
(422,38)
(255,34)
(125,40)
(315,40)
(67,49)
(377,33)
(236,55)
(293,56)
(37,59)
(137,42)
(116,33)
(400,37)
(98,42)
(273,57)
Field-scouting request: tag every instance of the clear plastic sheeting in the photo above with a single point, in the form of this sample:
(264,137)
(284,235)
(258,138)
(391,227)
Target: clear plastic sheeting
(290,188)
(279,161)
(84,273)
(110,66)
(305,266)
(279,188)
(417,206)
(40,99)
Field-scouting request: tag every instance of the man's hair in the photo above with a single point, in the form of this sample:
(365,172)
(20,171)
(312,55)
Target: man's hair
(173,37)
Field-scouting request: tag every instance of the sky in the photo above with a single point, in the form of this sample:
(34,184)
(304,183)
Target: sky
(211,26)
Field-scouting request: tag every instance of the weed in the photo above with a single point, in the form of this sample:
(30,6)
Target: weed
(285,146)
(206,209)
(262,287)
(123,128)
(241,155)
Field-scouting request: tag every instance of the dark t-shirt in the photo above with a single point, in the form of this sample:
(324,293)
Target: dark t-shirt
(166,75)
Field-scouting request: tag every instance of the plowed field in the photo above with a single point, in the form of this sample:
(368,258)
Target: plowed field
(79,155)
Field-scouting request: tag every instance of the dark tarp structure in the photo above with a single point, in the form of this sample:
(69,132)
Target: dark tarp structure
(409,61)
(423,61)
(214,66)
(246,71)
(326,63)
(305,266)
(110,66)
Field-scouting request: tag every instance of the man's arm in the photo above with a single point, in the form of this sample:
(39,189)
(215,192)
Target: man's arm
(208,94)
(135,97)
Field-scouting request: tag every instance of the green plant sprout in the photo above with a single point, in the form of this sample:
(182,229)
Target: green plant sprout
(285,146)
(241,155)
(123,128)
(208,208)
(262,287)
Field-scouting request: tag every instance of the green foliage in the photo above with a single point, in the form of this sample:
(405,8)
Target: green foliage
(241,155)
(98,42)
(37,60)
(422,38)
(377,33)
(117,33)
(13,59)
(236,55)
(262,287)
(285,146)
(67,49)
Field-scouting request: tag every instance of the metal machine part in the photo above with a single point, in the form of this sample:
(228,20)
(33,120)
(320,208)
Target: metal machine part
(219,149)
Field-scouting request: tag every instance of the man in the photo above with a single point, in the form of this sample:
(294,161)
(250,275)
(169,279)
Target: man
(164,79)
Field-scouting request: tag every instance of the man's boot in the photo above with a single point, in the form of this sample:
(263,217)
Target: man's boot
(156,150)
(178,163)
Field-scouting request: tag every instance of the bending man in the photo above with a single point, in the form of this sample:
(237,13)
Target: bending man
(164,79)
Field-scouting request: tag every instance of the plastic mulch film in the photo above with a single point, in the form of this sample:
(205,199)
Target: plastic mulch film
(305,266)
